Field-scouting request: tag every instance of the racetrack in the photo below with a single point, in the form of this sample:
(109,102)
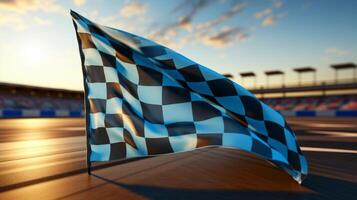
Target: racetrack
(45,158)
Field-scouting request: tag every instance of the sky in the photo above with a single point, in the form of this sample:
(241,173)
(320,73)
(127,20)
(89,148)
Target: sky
(38,44)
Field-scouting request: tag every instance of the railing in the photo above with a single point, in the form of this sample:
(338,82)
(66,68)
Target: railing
(303,84)
(320,86)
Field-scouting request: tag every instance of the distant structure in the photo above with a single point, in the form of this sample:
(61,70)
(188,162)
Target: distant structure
(228,75)
(275,73)
(304,70)
(323,88)
(35,91)
(245,75)
(344,66)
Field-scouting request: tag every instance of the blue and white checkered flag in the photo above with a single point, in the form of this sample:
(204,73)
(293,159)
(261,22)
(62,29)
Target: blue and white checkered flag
(145,99)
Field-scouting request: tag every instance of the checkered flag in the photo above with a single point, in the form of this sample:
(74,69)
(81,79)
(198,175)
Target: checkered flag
(145,99)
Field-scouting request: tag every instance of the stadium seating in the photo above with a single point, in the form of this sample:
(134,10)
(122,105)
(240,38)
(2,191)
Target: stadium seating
(342,102)
(314,103)
(23,101)
(350,105)
(42,103)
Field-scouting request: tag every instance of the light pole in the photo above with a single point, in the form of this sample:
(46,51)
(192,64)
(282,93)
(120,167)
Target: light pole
(244,75)
(303,70)
(275,73)
(344,66)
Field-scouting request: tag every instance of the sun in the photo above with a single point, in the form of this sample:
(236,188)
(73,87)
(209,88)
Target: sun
(34,52)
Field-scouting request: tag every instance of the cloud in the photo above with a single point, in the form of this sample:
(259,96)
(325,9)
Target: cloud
(235,9)
(23,6)
(336,51)
(268,15)
(185,23)
(269,21)
(13,4)
(225,37)
(43,22)
(204,31)
(79,2)
(14,12)
(273,19)
(188,9)
(93,14)
(133,8)
(193,7)
(14,21)
(137,24)
(263,13)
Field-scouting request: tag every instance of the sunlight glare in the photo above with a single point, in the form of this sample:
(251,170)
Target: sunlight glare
(34,52)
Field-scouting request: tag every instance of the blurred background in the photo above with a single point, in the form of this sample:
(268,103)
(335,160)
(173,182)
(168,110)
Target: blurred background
(297,56)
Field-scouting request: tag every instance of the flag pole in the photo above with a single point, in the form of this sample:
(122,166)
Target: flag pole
(85,99)
(89,164)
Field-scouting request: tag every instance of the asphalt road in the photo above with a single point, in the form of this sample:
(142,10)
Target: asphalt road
(45,159)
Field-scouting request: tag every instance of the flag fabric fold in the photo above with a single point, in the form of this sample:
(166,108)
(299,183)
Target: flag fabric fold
(145,99)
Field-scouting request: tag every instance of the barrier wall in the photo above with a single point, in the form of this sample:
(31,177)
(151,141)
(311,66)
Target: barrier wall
(322,113)
(18,113)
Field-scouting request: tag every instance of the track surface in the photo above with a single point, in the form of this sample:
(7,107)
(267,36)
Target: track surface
(45,159)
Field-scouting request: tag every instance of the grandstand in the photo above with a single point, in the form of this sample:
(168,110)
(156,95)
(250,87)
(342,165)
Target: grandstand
(337,97)
(29,101)
(328,98)
(334,105)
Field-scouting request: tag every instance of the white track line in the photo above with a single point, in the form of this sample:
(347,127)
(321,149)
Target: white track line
(331,150)
(324,125)
(335,133)
(42,142)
